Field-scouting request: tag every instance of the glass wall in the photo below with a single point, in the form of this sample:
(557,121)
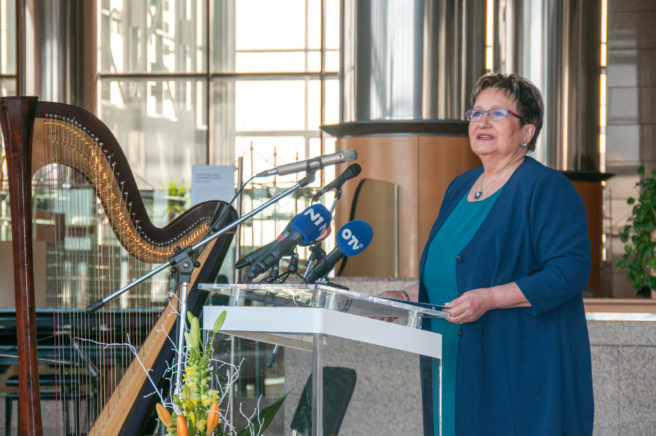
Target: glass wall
(185,82)
(7,88)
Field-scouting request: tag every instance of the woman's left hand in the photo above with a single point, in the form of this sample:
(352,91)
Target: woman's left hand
(470,306)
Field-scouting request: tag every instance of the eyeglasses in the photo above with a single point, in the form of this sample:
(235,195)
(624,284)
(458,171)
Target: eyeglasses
(494,114)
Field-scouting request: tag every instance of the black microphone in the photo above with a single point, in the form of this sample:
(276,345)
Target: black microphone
(306,227)
(315,163)
(254,255)
(352,171)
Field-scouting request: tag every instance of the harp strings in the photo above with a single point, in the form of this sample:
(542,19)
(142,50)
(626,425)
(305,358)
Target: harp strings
(86,262)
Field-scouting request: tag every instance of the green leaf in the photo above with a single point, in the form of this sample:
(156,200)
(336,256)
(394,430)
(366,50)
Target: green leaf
(621,264)
(641,170)
(652,282)
(630,200)
(218,324)
(266,416)
(219,321)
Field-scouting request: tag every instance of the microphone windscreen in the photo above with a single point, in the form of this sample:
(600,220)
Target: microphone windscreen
(353,237)
(352,171)
(312,222)
(349,155)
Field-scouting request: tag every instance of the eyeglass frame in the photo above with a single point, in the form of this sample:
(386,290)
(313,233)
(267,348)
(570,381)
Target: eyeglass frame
(469,114)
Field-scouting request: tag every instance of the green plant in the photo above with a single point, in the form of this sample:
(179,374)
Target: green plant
(198,409)
(639,259)
(177,197)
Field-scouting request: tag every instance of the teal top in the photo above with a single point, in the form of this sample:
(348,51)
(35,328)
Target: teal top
(439,278)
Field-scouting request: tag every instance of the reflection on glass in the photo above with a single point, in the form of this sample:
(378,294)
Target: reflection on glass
(160,125)
(141,36)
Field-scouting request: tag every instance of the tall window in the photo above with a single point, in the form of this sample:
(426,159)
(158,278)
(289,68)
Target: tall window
(186,82)
(7,88)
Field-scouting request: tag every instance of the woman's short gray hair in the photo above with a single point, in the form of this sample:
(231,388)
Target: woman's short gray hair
(526,95)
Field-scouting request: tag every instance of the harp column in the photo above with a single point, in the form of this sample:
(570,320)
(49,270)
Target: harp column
(407,68)
(57,49)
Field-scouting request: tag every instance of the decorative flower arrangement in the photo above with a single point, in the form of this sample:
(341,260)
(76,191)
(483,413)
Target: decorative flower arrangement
(197,409)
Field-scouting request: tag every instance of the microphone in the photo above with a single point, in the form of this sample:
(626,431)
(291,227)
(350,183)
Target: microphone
(315,163)
(254,255)
(351,239)
(251,257)
(305,228)
(352,171)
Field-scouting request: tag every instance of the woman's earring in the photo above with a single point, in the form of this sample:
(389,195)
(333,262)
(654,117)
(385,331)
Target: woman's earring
(523,144)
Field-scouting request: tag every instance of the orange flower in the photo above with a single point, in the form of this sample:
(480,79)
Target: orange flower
(212,418)
(183,430)
(164,415)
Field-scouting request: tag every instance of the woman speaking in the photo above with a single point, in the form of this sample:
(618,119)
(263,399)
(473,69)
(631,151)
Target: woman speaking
(509,255)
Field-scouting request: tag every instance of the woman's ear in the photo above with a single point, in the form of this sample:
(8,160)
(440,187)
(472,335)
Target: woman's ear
(528,130)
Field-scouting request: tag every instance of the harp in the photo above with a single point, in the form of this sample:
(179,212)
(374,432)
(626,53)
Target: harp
(87,258)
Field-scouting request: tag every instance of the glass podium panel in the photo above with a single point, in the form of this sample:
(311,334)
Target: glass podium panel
(344,371)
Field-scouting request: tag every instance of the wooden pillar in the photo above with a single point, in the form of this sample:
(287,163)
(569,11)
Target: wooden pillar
(588,185)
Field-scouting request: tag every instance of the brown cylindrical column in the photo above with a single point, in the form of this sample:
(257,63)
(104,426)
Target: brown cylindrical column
(588,185)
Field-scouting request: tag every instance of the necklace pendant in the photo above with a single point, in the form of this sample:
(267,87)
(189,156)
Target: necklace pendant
(477,195)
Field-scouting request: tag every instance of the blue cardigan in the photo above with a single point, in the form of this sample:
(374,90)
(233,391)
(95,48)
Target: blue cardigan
(523,371)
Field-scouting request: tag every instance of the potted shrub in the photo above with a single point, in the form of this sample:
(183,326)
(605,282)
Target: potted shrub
(639,236)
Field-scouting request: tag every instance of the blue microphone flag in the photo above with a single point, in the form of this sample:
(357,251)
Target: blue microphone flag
(312,222)
(354,237)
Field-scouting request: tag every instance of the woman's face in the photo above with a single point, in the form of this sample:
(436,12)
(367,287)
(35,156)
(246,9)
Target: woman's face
(498,138)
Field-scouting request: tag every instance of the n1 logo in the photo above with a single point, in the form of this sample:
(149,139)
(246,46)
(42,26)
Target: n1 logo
(317,218)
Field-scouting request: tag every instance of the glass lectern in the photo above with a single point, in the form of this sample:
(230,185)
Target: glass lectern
(344,370)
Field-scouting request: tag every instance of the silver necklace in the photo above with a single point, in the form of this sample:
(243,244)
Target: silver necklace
(478,194)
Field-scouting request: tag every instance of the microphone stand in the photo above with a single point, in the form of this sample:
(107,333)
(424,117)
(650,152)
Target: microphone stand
(316,254)
(184,261)
(338,195)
